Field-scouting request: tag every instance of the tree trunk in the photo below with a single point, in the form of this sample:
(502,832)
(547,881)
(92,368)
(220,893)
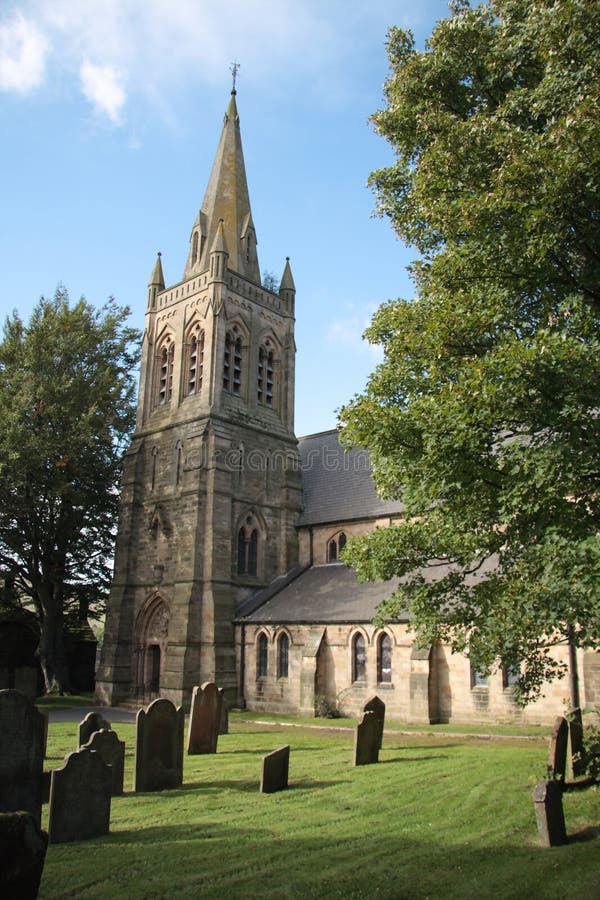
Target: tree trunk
(51,650)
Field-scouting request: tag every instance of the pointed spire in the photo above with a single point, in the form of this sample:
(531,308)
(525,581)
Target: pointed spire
(287,281)
(226,198)
(156,283)
(219,244)
(157,279)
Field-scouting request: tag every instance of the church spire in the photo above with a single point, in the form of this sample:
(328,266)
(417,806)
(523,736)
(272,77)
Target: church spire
(226,198)
(156,283)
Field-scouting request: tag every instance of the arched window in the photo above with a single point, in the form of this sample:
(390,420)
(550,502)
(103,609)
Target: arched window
(195,368)
(247,548)
(283,655)
(232,363)
(384,659)
(195,247)
(262,656)
(359,658)
(266,375)
(335,547)
(165,372)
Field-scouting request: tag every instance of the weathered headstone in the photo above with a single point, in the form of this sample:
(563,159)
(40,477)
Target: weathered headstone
(557,750)
(224,720)
(205,716)
(377,707)
(366,740)
(275,770)
(22,854)
(159,747)
(112,752)
(21,754)
(94,721)
(80,794)
(575,720)
(547,801)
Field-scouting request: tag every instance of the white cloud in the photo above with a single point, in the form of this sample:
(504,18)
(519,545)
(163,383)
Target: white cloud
(158,45)
(23,50)
(349,333)
(103,87)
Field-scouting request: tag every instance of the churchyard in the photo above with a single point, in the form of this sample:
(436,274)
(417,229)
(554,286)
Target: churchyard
(437,816)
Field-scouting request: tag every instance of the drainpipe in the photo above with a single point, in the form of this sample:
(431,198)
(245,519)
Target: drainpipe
(573,671)
(243,666)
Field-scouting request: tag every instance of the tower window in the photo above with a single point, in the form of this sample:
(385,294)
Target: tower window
(165,375)
(384,659)
(232,363)
(265,376)
(359,658)
(196,362)
(247,548)
(195,247)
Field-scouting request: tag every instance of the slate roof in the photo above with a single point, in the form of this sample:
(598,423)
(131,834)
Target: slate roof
(336,484)
(324,594)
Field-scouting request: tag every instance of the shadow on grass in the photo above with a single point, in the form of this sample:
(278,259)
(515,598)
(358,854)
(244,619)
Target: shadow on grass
(586,834)
(410,759)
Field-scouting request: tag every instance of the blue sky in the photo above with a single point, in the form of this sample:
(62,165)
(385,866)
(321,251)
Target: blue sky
(110,113)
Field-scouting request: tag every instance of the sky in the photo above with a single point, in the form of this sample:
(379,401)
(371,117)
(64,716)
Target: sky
(110,114)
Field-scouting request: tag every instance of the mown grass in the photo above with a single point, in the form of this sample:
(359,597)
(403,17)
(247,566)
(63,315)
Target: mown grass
(437,817)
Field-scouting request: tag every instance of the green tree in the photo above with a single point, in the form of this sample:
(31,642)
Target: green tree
(66,408)
(484,414)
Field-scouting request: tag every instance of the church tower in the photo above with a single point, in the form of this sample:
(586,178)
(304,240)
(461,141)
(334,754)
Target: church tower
(211,490)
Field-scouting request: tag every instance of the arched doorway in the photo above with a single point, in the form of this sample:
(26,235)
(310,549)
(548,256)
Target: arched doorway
(151,648)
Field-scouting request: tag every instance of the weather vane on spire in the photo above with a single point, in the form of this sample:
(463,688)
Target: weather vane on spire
(234,69)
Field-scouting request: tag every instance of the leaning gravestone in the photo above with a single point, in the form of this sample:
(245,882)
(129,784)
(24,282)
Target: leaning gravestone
(159,747)
(275,769)
(557,750)
(377,707)
(22,855)
(22,729)
(575,719)
(79,798)
(366,740)
(112,752)
(205,717)
(94,721)
(547,801)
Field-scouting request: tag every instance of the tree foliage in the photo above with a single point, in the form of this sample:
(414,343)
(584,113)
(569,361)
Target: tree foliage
(66,407)
(484,414)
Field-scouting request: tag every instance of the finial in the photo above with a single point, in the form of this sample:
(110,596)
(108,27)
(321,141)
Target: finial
(159,253)
(234,69)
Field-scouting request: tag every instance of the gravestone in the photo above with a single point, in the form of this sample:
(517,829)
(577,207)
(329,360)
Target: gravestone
(557,750)
(44,727)
(547,801)
(377,707)
(159,747)
(275,769)
(79,798)
(366,740)
(94,721)
(112,752)
(22,855)
(22,728)
(575,719)
(224,720)
(205,717)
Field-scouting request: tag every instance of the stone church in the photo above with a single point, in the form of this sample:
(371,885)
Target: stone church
(230,531)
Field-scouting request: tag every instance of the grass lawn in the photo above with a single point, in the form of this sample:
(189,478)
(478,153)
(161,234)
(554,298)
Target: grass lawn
(437,817)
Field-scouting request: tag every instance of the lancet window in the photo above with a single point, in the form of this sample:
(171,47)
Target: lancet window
(266,375)
(335,547)
(247,548)
(195,368)
(359,658)
(232,363)
(166,359)
(384,659)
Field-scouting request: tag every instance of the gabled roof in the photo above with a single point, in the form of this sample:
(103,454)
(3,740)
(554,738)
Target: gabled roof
(336,484)
(323,594)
